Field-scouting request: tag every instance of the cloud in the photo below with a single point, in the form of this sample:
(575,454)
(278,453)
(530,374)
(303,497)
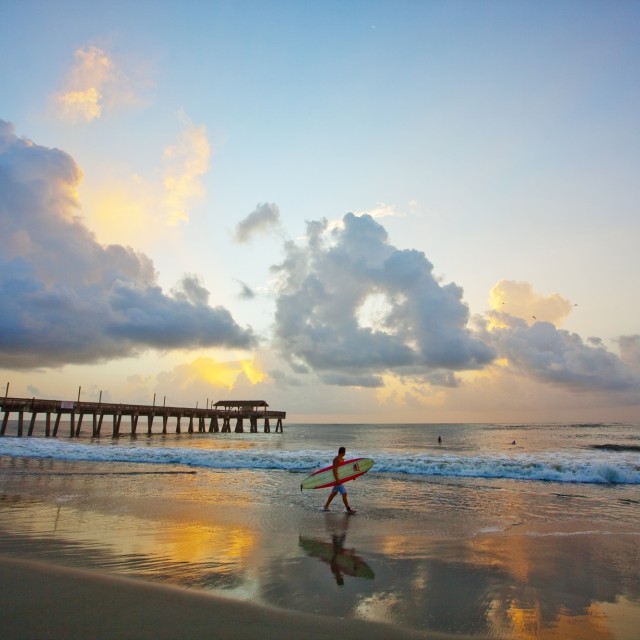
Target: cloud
(630,350)
(67,298)
(420,328)
(347,380)
(246,292)
(551,355)
(206,374)
(264,218)
(125,207)
(185,163)
(383,210)
(94,85)
(520,300)
(190,289)
(522,328)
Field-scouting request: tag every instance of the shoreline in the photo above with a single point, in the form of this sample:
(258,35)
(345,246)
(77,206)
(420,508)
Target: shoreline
(42,600)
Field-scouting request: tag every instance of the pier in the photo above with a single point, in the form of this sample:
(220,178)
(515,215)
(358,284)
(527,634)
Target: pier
(216,418)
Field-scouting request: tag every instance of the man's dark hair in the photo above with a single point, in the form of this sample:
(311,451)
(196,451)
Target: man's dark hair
(341,450)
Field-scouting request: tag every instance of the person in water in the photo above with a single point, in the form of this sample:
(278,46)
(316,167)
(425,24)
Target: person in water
(339,487)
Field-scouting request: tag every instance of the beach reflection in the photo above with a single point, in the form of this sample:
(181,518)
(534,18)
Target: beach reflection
(556,586)
(82,515)
(333,552)
(566,584)
(570,585)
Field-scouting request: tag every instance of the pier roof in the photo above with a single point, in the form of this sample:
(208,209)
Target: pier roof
(241,404)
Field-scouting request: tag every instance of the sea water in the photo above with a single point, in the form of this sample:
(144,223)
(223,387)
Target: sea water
(517,517)
(576,453)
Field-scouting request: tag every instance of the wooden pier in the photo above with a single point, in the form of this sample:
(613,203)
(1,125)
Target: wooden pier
(214,419)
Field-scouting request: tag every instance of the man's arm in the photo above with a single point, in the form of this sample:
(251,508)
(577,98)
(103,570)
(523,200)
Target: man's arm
(336,464)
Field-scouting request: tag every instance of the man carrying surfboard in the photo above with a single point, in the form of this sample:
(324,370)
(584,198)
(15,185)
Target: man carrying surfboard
(338,487)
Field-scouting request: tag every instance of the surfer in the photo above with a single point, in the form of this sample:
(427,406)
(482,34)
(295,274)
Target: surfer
(338,487)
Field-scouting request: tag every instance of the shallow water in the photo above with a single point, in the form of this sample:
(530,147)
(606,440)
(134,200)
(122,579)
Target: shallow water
(431,548)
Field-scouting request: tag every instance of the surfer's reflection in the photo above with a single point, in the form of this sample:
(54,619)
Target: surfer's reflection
(341,561)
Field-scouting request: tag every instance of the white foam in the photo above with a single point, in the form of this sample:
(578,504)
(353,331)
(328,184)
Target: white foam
(584,467)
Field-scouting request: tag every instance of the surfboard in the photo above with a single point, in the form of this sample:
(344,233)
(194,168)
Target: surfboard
(342,559)
(348,470)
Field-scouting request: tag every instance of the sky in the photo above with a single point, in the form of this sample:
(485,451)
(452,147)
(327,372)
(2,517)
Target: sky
(364,211)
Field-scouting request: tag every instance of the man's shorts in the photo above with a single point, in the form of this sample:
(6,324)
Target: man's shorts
(339,488)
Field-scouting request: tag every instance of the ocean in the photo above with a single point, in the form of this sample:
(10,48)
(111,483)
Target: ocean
(496,531)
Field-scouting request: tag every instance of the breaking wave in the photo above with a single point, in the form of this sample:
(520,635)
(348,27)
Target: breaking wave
(601,467)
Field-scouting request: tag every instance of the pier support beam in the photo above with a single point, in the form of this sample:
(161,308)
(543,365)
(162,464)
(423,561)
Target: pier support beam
(117,420)
(32,423)
(80,417)
(56,424)
(5,419)
(100,419)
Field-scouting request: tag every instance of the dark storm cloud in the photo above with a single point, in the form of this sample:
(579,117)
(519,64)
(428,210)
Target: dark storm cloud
(324,285)
(67,298)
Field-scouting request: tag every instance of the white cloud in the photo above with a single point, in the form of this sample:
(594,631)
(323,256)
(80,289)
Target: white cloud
(519,299)
(382,210)
(185,162)
(94,85)
(323,286)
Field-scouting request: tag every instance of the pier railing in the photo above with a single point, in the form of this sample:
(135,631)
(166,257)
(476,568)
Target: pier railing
(208,420)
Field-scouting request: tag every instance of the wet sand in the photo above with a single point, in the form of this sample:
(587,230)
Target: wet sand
(47,601)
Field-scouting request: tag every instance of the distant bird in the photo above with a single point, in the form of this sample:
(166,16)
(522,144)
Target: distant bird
(534,317)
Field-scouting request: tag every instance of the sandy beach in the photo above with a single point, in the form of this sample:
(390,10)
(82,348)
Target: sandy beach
(47,601)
